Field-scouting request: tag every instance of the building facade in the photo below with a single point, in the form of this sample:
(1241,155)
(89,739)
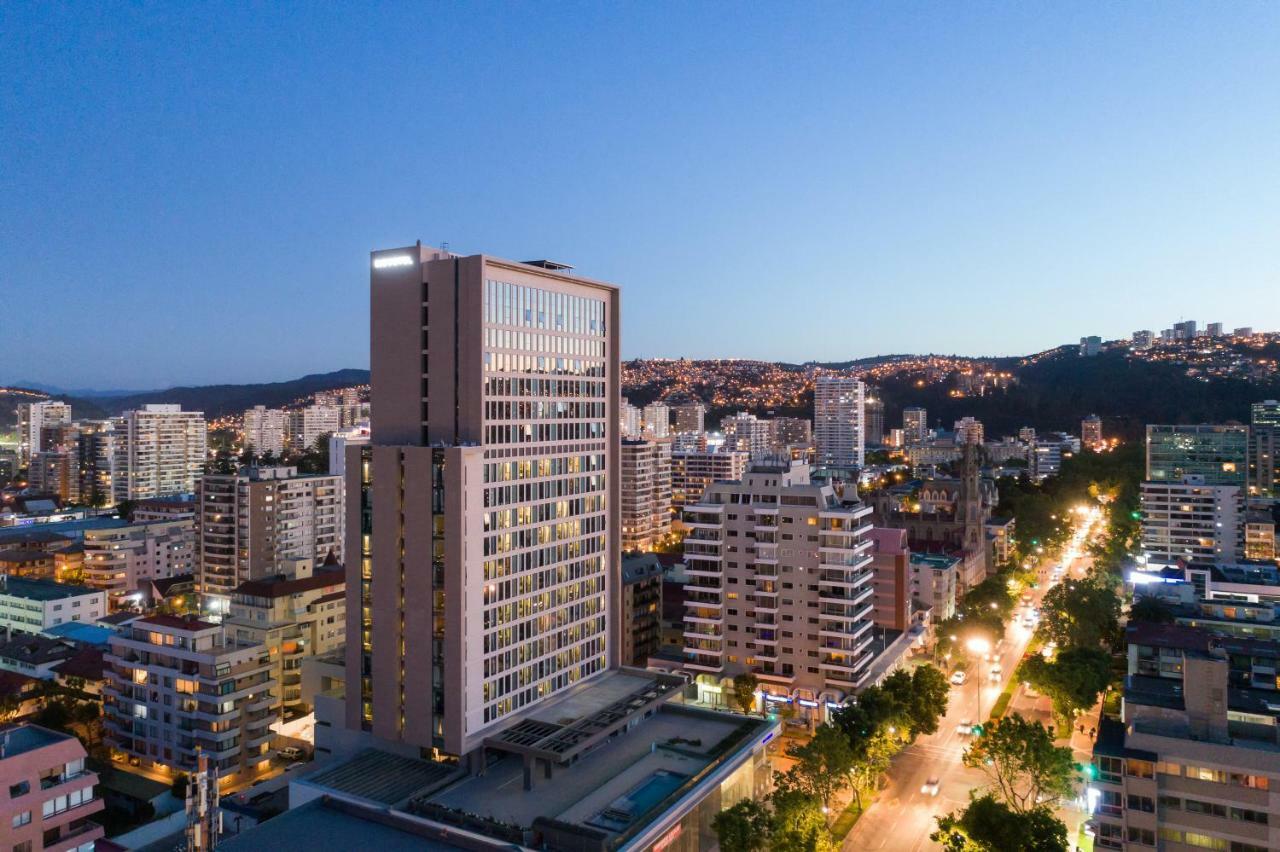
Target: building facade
(50,796)
(915,425)
(31,605)
(641,608)
(1217,453)
(160,451)
(645,468)
(249,522)
(690,417)
(1091,432)
(1192,522)
(494,452)
(264,430)
(779,584)
(118,559)
(33,417)
(177,688)
(839,428)
(305,426)
(693,472)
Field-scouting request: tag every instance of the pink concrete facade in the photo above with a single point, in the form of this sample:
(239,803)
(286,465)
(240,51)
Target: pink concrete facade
(46,794)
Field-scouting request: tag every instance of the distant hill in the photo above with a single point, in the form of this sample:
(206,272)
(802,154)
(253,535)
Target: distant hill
(218,400)
(213,400)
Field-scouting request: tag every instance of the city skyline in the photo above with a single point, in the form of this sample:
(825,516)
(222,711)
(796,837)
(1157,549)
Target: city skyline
(997,162)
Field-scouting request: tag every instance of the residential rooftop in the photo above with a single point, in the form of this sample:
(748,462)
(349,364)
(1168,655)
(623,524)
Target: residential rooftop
(42,590)
(20,739)
(328,823)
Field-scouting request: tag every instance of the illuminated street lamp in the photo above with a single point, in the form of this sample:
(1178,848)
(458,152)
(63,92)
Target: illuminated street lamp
(980,646)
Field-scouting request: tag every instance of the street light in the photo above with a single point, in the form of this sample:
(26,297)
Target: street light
(979,646)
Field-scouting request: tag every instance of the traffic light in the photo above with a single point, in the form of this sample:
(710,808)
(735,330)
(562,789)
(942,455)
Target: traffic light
(1137,516)
(976,730)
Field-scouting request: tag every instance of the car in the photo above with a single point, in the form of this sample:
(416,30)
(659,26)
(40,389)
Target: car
(930,787)
(959,678)
(290,753)
(965,728)
(996,672)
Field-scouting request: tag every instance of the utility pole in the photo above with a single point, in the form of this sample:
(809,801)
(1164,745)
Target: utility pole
(204,818)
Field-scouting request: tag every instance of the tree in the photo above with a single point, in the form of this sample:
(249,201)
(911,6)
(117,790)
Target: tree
(744,691)
(823,764)
(1081,613)
(10,704)
(745,827)
(930,693)
(798,823)
(1073,679)
(873,761)
(124,509)
(1020,758)
(989,825)
(1151,609)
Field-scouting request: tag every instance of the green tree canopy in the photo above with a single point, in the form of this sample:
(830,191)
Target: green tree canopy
(1024,764)
(744,690)
(745,827)
(823,764)
(1081,613)
(989,825)
(1072,680)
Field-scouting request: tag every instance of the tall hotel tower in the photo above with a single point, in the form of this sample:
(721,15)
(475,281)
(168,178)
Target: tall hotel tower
(483,515)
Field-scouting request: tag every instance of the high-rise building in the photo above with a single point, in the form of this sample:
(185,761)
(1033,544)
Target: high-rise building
(631,420)
(693,471)
(1213,329)
(915,425)
(1091,431)
(645,468)
(1090,346)
(55,471)
(657,420)
(264,430)
(1191,521)
(177,688)
(838,423)
(641,608)
(797,611)
(1243,331)
(1191,763)
(1264,449)
(32,418)
(160,451)
(969,430)
(1217,453)
(748,433)
(96,457)
(483,532)
(1143,340)
(874,413)
(249,523)
(305,426)
(891,578)
(690,417)
(1027,434)
(792,432)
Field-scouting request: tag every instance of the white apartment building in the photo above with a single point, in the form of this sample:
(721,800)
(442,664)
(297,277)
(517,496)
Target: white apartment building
(690,417)
(34,416)
(692,472)
(119,558)
(160,451)
(1188,520)
(657,420)
(304,426)
(249,522)
(645,467)
(264,430)
(30,605)
(839,428)
(749,434)
(969,430)
(934,578)
(779,584)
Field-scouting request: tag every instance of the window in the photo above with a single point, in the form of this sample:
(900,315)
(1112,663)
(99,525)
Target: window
(1141,803)
(1195,806)
(22,788)
(22,819)
(1144,836)
(1140,768)
(1246,815)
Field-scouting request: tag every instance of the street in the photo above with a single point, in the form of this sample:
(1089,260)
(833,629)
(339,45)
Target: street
(902,818)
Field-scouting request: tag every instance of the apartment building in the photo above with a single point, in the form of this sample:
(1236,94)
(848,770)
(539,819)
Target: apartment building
(780,585)
(645,468)
(1192,522)
(891,578)
(641,608)
(305,426)
(792,432)
(969,430)
(1194,762)
(657,420)
(494,452)
(748,433)
(248,523)
(631,421)
(50,796)
(264,430)
(1091,432)
(119,558)
(689,417)
(296,614)
(1220,454)
(692,472)
(176,687)
(915,425)
(33,417)
(160,451)
(839,428)
(32,605)
(935,579)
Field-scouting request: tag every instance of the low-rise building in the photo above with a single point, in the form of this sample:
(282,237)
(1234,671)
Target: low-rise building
(1260,535)
(31,605)
(1001,539)
(934,579)
(50,792)
(178,685)
(27,563)
(295,615)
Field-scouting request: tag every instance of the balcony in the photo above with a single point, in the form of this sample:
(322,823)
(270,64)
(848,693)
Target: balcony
(773,676)
(704,617)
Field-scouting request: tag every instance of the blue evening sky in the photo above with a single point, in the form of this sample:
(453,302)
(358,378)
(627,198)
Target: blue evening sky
(188,192)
